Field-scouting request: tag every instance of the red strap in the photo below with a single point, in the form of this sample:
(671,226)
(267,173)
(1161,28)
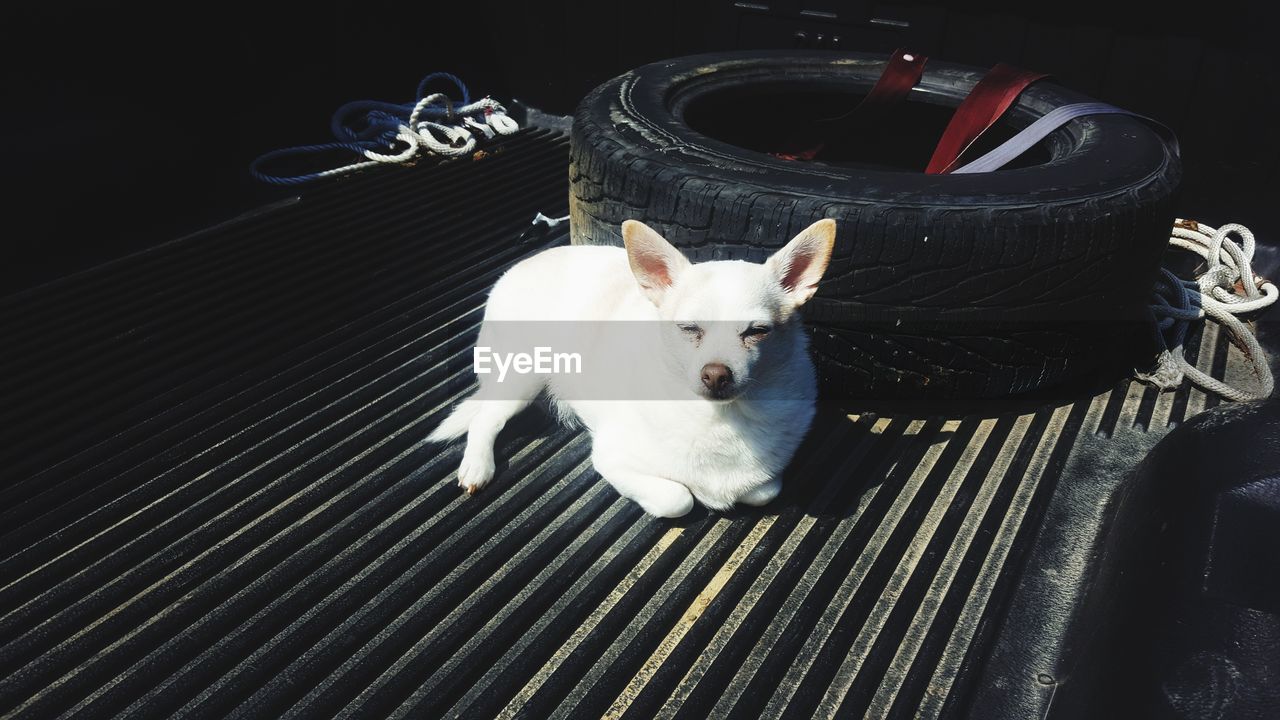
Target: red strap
(891,89)
(899,76)
(988,100)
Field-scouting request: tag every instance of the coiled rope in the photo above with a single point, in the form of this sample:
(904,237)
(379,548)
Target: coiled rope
(1226,290)
(382,132)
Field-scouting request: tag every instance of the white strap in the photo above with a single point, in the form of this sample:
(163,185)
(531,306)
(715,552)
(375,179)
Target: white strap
(1041,128)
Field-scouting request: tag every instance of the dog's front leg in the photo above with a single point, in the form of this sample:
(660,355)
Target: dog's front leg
(658,496)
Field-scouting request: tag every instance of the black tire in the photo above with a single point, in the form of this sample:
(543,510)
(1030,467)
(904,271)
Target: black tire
(942,286)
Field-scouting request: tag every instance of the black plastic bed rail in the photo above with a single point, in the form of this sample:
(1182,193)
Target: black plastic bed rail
(217,499)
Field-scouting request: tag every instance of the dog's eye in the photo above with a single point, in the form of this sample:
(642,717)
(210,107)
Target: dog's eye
(756,331)
(689,328)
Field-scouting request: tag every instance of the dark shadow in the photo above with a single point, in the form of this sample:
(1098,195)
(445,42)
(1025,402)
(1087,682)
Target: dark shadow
(1085,386)
(841,459)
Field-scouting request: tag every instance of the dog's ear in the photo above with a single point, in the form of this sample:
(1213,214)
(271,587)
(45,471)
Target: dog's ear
(799,266)
(654,261)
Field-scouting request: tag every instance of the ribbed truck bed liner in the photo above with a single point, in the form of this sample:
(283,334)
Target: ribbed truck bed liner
(218,498)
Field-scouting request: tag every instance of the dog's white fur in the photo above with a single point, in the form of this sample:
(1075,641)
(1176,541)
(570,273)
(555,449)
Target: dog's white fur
(665,453)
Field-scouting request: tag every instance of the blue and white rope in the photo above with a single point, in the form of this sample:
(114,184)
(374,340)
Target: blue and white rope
(1225,290)
(374,130)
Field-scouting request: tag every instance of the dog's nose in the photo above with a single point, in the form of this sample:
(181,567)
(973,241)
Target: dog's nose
(717,377)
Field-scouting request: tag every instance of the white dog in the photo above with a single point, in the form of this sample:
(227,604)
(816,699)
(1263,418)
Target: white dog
(712,392)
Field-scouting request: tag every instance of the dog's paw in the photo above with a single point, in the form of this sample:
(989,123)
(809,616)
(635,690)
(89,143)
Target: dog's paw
(762,494)
(475,471)
(672,502)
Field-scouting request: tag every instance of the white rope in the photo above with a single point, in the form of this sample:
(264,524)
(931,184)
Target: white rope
(438,138)
(405,136)
(549,221)
(1226,289)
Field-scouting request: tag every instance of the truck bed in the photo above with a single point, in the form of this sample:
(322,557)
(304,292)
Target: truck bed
(218,499)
